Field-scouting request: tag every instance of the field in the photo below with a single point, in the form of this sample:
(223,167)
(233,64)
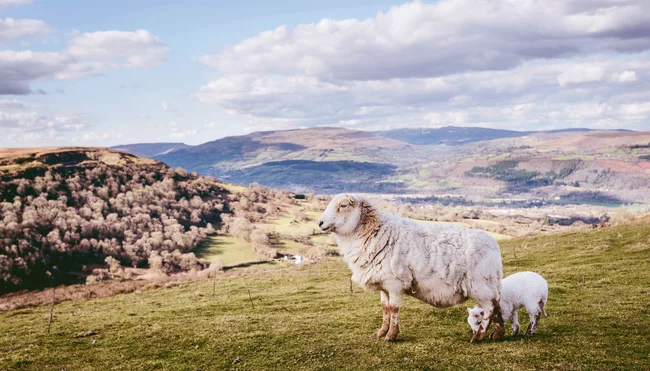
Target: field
(305,317)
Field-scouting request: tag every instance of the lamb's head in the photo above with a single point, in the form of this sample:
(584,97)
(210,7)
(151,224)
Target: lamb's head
(474,318)
(348,213)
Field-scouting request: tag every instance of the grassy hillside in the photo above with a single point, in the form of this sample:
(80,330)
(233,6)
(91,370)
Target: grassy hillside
(304,317)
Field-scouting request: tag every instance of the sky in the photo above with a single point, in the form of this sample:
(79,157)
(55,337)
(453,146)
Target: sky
(101,73)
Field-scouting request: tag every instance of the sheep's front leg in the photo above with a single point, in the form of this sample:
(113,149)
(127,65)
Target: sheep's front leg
(499,326)
(385,325)
(394,303)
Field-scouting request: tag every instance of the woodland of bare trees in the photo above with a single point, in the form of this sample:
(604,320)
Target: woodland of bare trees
(56,227)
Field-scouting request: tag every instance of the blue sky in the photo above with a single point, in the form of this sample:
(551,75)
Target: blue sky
(104,73)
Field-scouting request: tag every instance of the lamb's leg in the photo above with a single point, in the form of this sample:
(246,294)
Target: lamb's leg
(514,318)
(394,303)
(542,307)
(385,325)
(534,321)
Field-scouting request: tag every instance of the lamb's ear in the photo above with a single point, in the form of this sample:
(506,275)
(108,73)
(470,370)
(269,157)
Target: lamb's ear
(469,310)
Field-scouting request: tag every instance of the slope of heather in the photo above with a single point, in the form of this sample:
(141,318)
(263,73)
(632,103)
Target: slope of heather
(66,211)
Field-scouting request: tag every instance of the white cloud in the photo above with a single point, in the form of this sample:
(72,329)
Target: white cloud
(514,64)
(586,111)
(175,133)
(4,3)
(439,119)
(12,104)
(130,49)
(38,122)
(87,54)
(625,76)
(15,28)
(425,40)
(635,111)
(581,74)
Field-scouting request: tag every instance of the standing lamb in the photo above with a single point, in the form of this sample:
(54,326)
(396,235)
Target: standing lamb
(523,289)
(439,264)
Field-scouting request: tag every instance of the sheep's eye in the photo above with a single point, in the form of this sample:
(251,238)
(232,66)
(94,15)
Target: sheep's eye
(343,206)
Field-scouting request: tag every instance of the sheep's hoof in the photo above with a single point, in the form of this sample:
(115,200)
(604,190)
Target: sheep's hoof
(476,339)
(381,333)
(390,338)
(498,333)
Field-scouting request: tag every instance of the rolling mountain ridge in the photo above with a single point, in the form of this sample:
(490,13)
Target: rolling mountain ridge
(447,160)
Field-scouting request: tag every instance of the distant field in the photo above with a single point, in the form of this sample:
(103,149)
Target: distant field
(230,250)
(304,317)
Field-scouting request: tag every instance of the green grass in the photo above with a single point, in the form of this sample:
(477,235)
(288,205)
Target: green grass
(230,250)
(304,317)
(285,225)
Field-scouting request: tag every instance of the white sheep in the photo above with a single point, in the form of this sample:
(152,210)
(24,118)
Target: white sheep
(439,264)
(523,289)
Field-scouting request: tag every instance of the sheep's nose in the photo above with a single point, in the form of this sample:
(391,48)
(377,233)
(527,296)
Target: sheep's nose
(320,223)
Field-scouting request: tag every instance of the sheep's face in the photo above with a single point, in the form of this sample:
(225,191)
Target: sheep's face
(342,215)
(474,318)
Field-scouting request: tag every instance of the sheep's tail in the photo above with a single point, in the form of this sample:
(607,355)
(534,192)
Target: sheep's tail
(542,307)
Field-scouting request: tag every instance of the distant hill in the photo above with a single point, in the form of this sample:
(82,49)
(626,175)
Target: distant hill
(281,158)
(450,160)
(150,150)
(455,135)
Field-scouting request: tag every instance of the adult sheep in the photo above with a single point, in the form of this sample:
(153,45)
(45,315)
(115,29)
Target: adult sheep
(439,264)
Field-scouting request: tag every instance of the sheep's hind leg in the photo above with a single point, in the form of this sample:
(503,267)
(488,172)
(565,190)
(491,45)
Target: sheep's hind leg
(385,325)
(394,303)
(499,327)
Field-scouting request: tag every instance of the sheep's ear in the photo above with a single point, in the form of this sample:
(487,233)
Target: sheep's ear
(469,310)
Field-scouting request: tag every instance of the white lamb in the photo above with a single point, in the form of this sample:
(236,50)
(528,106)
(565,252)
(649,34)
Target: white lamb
(440,264)
(523,289)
